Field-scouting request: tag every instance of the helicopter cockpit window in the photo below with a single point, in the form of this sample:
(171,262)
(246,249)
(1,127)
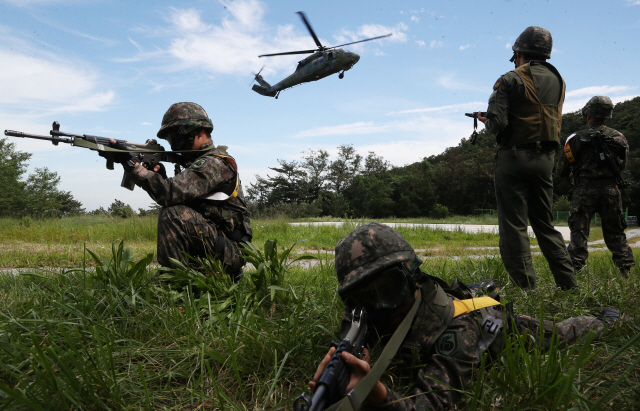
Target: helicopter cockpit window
(330,56)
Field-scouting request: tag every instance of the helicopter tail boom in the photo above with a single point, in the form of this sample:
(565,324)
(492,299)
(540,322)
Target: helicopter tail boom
(263,91)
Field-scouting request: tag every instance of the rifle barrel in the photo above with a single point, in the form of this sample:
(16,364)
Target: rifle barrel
(54,139)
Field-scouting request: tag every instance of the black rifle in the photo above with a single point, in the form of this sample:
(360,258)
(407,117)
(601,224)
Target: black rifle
(150,153)
(607,158)
(474,115)
(333,382)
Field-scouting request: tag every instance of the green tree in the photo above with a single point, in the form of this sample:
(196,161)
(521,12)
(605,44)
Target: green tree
(13,165)
(120,209)
(42,193)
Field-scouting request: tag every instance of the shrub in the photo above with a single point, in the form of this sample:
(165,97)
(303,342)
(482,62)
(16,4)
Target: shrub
(439,211)
(562,204)
(120,209)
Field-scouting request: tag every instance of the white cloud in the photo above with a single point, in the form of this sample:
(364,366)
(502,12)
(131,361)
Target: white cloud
(633,2)
(507,46)
(188,21)
(464,47)
(450,108)
(436,44)
(415,19)
(61,27)
(576,99)
(449,81)
(599,91)
(373,30)
(36,83)
(423,136)
(344,129)
(420,43)
(233,45)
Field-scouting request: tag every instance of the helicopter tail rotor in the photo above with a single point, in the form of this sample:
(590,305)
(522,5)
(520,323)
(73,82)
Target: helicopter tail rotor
(257,76)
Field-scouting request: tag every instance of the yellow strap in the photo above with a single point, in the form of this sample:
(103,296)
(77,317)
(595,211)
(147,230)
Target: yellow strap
(567,150)
(234,166)
(472,304)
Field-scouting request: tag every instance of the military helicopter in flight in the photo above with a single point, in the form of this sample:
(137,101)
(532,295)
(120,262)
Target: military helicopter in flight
(323,62)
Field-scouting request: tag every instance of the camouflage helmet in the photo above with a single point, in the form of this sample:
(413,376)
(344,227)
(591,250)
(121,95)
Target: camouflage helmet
(185,115)
(368,250)
(533,40)
(598,106)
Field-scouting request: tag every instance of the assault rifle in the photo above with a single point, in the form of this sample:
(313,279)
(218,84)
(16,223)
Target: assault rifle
(606,158)
(474,115)
(332,383)
(150,153)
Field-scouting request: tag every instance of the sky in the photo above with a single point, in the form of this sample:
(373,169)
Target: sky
(112,68)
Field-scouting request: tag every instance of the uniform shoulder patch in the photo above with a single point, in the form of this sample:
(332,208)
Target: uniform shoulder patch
(448,343)
(198,163)
(495,86)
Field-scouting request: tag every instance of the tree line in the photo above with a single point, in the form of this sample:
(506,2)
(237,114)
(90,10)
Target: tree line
(460,180)
(37,195)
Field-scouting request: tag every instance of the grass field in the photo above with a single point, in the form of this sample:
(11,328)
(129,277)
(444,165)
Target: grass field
(60,242)
(107,338)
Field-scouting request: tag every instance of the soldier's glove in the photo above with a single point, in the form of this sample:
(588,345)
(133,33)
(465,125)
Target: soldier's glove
(162,171)
(127,159)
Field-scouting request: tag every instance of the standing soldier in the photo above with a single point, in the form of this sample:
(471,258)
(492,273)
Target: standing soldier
(596,189)
(525,114)
(203,208)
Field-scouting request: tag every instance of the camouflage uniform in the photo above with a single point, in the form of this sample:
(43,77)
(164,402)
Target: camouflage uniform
(440,353)
(596,192)
(524,112)
(191,223)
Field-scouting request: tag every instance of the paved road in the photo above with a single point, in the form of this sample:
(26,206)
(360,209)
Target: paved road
(469,228)
(479,228)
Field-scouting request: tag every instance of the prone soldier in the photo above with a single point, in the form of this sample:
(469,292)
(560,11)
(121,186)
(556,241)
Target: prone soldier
(445,332)
(597,185)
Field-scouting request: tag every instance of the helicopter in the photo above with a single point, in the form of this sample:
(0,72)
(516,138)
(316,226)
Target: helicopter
(323,62)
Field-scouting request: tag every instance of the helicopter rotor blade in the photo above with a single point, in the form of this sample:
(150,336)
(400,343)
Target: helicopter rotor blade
(313,34)
(361,41)
(290,52)
(255,76)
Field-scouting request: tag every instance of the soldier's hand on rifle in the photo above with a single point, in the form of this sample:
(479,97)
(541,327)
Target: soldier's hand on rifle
(128,160)
(359,368)
(158,168)
(483,119)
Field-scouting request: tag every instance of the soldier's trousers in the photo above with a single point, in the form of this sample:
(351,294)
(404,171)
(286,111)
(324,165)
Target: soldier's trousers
(605,201)
(183,230)
(524,191)
(567,331)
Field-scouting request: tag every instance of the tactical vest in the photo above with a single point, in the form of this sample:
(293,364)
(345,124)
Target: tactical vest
(530,120)
(583,158)
(226,208)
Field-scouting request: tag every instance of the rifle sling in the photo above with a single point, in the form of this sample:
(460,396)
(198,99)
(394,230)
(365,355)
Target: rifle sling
(353,400)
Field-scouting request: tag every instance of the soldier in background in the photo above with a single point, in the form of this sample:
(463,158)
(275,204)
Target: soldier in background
(595,187)
(203,209)
(525,114)
(378,270)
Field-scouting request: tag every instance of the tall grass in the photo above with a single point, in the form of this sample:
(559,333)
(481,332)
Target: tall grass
(110,339)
